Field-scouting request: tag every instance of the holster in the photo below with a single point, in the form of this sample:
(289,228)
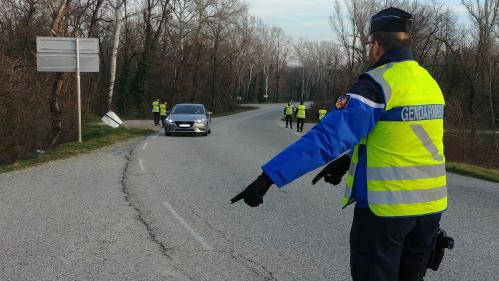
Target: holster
(442,242)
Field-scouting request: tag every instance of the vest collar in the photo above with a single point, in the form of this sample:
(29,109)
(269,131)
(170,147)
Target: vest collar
(395,55)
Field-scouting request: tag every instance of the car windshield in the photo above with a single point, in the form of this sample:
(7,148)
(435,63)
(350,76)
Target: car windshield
(188,109)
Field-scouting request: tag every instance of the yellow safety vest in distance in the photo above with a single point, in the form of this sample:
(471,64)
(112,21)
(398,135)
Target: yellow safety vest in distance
(162,109)
(289,110)
(301,113)
(155,106)
(405,154)
(322,113)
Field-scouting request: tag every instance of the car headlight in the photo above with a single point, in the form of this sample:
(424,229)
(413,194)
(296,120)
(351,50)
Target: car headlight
(200,120)
(169,120)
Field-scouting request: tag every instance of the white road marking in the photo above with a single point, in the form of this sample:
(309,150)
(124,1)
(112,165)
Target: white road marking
(296,133)
(141,165)
(145,145)
(189,228)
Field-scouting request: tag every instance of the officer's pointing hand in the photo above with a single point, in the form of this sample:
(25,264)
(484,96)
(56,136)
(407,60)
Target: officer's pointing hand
(319,176)
(253,194)
(334,171)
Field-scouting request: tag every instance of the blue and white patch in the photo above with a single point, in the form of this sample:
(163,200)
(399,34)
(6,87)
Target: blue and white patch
(342,101)
(414,113)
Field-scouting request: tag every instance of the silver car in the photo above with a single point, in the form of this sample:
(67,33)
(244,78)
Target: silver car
(188,118)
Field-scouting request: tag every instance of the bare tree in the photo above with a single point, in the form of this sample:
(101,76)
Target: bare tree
(58,28)
(484,15)
(118,10)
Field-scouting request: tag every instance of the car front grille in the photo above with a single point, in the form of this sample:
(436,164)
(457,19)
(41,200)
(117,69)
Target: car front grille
(183,123)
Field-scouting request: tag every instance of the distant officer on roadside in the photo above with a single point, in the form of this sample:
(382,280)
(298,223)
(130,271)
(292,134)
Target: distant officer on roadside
(155,111)
(321,113)
(391,123)
(163,108)
(301,115)
(288,114)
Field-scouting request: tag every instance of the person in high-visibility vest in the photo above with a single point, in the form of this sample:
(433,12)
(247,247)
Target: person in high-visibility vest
(301,115)
(288,114)
(387,132)
(321,113)
(155,111)
(163,108)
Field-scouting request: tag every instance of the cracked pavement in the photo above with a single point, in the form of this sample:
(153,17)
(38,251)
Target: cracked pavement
(68,220)
(161,212)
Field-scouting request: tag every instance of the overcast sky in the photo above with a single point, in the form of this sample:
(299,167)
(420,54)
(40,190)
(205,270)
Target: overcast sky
(309,18)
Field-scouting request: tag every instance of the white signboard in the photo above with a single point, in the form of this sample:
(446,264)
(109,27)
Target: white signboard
(66,45)
(59,62)
(58,54)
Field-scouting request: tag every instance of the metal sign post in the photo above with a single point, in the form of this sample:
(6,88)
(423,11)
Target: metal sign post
(66,54)
(78,93)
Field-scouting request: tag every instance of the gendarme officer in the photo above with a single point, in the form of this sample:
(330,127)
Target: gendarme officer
(387,131)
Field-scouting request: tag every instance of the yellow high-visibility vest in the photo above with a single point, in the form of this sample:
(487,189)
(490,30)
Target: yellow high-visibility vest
(301,111)
(155,106)
(405,170)
(289,109)
(162,109)
(322,113)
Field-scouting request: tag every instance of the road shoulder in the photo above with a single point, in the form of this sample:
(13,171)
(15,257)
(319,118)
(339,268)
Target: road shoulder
(69,220)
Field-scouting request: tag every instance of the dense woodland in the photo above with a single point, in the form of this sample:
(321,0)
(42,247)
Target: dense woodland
(214,52)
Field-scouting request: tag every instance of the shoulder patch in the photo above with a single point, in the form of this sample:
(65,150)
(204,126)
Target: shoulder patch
(342,101)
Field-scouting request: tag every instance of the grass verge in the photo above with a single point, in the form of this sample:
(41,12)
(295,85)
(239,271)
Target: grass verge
(94,136)
(238,109)
(474,171)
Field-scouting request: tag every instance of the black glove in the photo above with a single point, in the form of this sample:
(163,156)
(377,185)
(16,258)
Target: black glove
(334,171)
(253,194)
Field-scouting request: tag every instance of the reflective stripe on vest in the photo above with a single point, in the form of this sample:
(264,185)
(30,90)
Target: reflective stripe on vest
(289,110)
(405,170)
(322,113)
(155,106)
(347,197)
(301,113)
(406,173)
(407,196)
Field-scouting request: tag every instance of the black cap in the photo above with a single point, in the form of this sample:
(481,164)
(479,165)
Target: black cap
(391,20)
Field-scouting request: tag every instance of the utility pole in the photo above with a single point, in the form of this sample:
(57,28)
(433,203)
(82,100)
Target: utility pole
(78,91)
(303,83)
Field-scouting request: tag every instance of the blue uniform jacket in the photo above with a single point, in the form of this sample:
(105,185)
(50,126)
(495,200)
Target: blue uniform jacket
(338,133)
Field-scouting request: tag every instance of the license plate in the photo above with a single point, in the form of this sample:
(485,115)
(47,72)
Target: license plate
(184,125)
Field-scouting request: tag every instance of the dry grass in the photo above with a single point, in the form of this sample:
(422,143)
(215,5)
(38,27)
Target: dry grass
(95,136)
(474,171)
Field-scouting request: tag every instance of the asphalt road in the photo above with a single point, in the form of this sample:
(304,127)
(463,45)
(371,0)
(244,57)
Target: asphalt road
(157,209)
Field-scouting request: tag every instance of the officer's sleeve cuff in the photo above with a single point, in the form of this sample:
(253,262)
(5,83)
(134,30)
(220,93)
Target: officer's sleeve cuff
(274,177)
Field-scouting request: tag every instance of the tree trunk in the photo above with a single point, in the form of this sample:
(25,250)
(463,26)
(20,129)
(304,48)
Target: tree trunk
(57,29)
(214,74)
(249,84)
(278,78)
(55,110)
(114,54)
(196,73)
(492,108)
